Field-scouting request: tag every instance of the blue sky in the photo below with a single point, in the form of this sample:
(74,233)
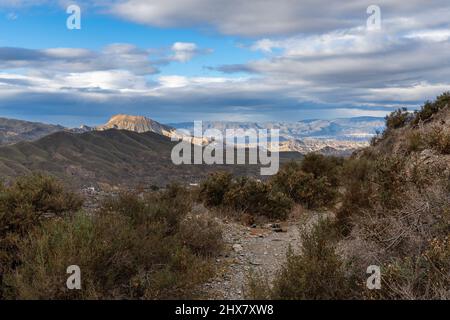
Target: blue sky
(184,60)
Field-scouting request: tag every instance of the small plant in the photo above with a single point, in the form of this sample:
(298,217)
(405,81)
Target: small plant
(317,272)
(415,141)
(23,207)
(257,198)
(398,119)
(138,246)
(304,187)
(430,108)
(439,139)
(213,189)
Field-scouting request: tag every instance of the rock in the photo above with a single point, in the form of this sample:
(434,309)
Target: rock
(237,247)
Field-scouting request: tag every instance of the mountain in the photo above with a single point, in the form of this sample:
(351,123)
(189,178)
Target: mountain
(337,137)
(13,131)
(348,129)
(138,124)
(110,157)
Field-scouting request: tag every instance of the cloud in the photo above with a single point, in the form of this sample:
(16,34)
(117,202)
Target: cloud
(315,59)
(258,18)
(112,57)
(185,51)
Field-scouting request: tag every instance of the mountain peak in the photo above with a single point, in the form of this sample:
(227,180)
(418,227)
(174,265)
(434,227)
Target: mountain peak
(134,123)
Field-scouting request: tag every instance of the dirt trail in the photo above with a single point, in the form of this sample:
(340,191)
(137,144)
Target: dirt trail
(261,249)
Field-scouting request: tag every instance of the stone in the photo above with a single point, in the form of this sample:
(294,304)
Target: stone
(237,247)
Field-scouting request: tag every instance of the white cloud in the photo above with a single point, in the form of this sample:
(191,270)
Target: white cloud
(184,51)
(282,17)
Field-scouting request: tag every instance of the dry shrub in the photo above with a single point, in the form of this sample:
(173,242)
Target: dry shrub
(202,234)
(136,247)
(317,272)
(439,139)
(415,141)
(23,206)
(409,243)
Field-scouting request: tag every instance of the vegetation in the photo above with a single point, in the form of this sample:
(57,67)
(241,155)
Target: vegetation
(389,207)
(23,208)
(312,183)
(398,119)
(244,195)
(394,213)
(317,272)
(136,247)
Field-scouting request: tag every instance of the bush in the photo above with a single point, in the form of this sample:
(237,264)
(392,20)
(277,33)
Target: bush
(323,166)
(425,276)
(358,192)
(201,234)
(136,247)
(317,272)
(169,206)
(439,139)
(415,141)
(398,119)
(23,206)
(430,108)
(213,189)
(257,198)
(303,187)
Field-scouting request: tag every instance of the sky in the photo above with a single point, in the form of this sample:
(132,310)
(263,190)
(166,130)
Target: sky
(254,60)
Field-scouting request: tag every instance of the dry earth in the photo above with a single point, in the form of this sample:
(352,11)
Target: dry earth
(260,249)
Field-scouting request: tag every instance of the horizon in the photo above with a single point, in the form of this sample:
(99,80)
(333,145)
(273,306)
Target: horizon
(243,62)
(192,121)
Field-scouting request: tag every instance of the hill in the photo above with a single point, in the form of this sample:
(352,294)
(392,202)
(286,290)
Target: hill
(110,157)
(13,131)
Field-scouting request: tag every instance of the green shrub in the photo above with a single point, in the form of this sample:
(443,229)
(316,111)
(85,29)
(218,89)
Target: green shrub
(430,108)
(304,188)
(168,206)
(397,119)
(136,247)
(323,166)
(358,190)
(251,196)
(213,189)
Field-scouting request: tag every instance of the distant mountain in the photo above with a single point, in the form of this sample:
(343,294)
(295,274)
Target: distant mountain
(348,129)
(337,137)
(109,157)
(138,124)
(342,135)
(13,131)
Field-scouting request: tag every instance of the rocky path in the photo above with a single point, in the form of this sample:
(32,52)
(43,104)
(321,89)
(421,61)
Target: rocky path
(258,249)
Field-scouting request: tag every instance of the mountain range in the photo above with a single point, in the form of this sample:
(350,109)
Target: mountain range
(110,158)
(136,150)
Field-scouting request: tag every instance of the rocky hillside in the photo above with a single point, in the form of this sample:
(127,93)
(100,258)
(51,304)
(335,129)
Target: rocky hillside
(13,131)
